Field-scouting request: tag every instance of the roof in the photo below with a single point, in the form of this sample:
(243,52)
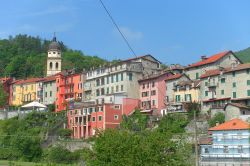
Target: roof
(234,124)
(195,83)
(176,76)
(211,100)
(30,80)
(215,72)
(138,57)
(155,76)
(205,141)
(239,105)
(49,78)
(54,45)
(210,59)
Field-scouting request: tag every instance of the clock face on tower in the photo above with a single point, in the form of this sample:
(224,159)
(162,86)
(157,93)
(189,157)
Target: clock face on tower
(54,58)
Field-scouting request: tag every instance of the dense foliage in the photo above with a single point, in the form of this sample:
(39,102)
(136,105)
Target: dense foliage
(25,56)
(133,144)
(217,118)
(3,96)
(244,55)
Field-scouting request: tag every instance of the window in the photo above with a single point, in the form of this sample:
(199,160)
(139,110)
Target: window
(121,76)
(153,92)
(197,75)
(206,83)
(234,95)
(97,82)
(112,79)
(206,150)
(93,119)
(206,93)
(107,90)
(121,87)
(102,81)
(248,71)
(46,94)
(116,117)
(153,102)
(57,65)
(233,74)
(130,76)
(50,65)
(225,149)
(248,82)
(143,86)
(102,91)
(99,118)
(144,94)
(153,84)
(222,92)
(50,93)
(188,97)
(223,80)
(240,150)
(117,78)
(248,92)
(234,84)
(97,92)
(117,88)
(107,80)
(177,98)
(112,89)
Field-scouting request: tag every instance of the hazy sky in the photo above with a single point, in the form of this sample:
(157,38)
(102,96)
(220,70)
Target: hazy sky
(174,31)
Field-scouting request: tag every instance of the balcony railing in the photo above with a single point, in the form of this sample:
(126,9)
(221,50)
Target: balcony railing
(212,84)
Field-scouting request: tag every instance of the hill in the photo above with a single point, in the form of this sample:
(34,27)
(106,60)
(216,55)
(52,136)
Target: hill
(244,55)
(25,56)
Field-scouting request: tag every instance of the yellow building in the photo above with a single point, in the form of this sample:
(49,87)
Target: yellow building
(187,91)
(25,91)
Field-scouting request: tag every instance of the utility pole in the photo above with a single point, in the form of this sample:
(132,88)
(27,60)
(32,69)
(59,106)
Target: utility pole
(196,141)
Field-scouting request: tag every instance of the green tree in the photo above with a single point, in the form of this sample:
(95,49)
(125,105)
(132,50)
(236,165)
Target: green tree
(218,118)
(3,96)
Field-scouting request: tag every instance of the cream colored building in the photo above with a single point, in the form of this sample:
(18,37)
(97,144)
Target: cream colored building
(223,59)
(225,85)
(109,84)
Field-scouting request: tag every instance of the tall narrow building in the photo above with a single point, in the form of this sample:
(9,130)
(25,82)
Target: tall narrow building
(54,60)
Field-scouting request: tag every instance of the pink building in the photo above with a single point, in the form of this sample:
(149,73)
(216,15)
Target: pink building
(87,118)
(153,92)
(69,88)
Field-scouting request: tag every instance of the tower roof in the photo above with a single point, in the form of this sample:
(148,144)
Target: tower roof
(54,45)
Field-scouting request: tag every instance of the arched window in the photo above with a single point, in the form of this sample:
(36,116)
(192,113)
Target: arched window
(50,65)
(57,65)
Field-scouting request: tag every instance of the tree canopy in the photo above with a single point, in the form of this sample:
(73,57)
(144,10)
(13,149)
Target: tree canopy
(25,56)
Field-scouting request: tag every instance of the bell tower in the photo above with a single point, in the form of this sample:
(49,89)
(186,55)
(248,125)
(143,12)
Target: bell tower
(54,60)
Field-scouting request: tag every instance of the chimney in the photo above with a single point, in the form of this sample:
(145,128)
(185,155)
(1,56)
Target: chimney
(203,57)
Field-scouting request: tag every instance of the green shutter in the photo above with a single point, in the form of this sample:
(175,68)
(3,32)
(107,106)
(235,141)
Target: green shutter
(222,92)
(223,80)
(234,95)
(248,82)
(234,84)
(206,93)
(248,92)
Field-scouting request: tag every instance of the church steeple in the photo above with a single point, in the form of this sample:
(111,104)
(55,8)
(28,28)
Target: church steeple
(54,57)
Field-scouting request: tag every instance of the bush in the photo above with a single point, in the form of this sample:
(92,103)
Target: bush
(218,118)
(65,133)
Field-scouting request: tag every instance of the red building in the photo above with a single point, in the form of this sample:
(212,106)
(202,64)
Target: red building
(6,82)
(69,87)
(85,120)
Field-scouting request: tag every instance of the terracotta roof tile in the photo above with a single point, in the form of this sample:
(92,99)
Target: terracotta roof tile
(210,59)
(215,72)
(234,124)
(30,80)
(167,73)
(49,78)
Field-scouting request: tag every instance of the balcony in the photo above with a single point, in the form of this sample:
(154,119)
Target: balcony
(212,85)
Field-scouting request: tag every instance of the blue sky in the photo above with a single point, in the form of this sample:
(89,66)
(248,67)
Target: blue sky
(174,31)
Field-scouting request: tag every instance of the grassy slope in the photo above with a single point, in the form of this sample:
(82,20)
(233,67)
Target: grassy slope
(19,163)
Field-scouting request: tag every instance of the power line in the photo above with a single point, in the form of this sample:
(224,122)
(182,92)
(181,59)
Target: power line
(117,27)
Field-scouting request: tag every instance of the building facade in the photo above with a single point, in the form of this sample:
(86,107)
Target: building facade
(49,90)
(112,83)
(25,91)
(223,59)
(237,110)
(69,88)
(230,145)
(153,92)
(225,85)
(88,119)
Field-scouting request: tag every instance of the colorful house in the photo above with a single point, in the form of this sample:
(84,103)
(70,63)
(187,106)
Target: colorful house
(229,144)
(25,91)
(69,88)
(87,119)
(153,92)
